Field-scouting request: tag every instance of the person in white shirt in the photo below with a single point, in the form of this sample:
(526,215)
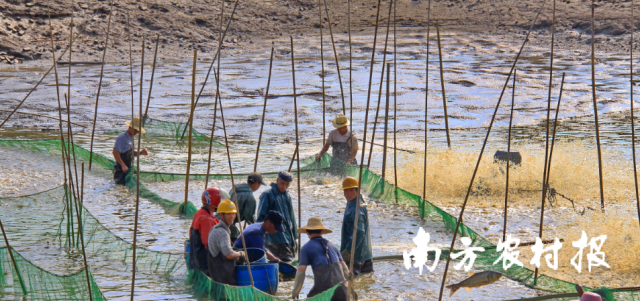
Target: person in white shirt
(343,142)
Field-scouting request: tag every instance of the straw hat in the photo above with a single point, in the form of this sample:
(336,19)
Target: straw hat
(340,121)
(314,223)
(136,123)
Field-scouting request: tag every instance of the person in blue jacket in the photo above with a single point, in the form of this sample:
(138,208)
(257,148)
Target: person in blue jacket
(254,233)
(363,254)
(282,244)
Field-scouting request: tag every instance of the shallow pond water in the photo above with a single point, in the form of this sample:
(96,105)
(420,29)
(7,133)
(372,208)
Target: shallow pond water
(475,70)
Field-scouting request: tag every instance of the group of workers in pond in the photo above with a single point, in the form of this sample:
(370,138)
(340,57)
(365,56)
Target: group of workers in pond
(215,244)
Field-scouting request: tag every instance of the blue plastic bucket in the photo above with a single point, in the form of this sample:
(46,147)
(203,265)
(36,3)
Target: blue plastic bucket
(256,255)
(265,276)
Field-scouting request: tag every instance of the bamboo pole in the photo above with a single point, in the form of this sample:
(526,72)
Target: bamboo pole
(233,186)
(293,158)
(335,54)
(466,198)
(13,260)
(54,66)
(264,112)
(213,129)
(506,185)
(70,151)
(350,66)
(81,230)
(555,126)
(153,72)
(135,222)
(444,95)
(386,124)
(130,62)
(95,111)
(215,100)
(193,93)
(44,116)
(384,60)
(364,139)
(295,114)
(395,107)
(546,148)
(426,116)
(324,110)
(633,129)
(217,55)
(595,103)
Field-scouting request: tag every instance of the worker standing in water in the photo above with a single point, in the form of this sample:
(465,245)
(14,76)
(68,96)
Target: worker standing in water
(124,150)
(221,257)
(203,221)
(254,234)
(325,260)
(282,244)
(363,254)
(343,142)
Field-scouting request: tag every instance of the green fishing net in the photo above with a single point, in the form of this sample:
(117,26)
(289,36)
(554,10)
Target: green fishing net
(99,239)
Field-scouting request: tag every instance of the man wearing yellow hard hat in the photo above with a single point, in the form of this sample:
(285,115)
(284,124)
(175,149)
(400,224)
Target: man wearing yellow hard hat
(343,142)
(124,150)
(325,260)
(362,262)
(221,257)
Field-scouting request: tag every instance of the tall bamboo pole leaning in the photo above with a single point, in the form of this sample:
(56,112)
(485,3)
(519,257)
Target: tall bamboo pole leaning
(233,186)
(444,95)
(364,141)
(633,129)
(324,111)
(130,62)
(546,148)
(217,98)
(213,128)
(193,99)
(426,116)
(595,103)
(54,66)
(153,72)
(386,124)
(81,230)
(350,65)
(395,106)
(555,126)
(217,55)
(335,55)
(135,221)
(13,260)
(384,61)
(506,184)
(70,131)
(475,171)
(72,186)
(264,112)
(295,114)
(95,111)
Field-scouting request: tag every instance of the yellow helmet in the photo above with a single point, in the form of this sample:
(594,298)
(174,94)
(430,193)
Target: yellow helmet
(227,207)
(350,182)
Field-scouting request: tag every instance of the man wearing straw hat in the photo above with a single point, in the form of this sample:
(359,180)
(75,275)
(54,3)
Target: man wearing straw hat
(362,262)
(281,244)
(124,150)
(325,260)
(343,142)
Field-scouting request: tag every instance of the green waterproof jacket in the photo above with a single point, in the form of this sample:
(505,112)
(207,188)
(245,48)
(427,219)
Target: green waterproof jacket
(273,199)
(246,203)
(363,239)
